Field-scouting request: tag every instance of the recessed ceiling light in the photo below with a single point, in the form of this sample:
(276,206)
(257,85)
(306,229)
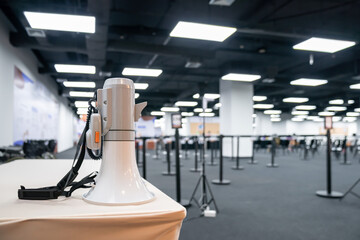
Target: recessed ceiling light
(141,86)
(309,82)
(196,96)
(79,84)
(211,95)
(206,114)
(79,104)
(217,105)
(187,114)
(170,109)
(336,101)
(323,45)
(300,112)
(81,94)
(272,112)
(137,95)
(326,113)
(274,115)
(201,110)
(295,119)
(146,72)
(259,98)
(305,107)
(335,108)
(352,114)
(263,106)
(240,77)
(201,31)
(70,68)
(157,113)
(351,102)
(295,100)
(355,86)
(61,22)
(186,104)
(275,119)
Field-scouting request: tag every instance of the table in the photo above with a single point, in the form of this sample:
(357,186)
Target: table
(73,218)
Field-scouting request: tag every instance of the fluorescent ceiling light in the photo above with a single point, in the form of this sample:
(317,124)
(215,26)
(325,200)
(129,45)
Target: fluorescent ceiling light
(312,117)
(81,94)
(355,86)
(295,100)
(187,114)
(318,119)
(357,109)
(141,86)
(336,118)
(272,112)
(70,68)
(211,95)
(240,77)
(79,84)
(61,22)
(352,114)
(351,101)
(146,72)
(323,45)
(254,115)
(275,119)
(263,106)
(336,101)
(170,109)
(82,111)
(201,110)
(206,114)
(274,115)
(186,104)
(305,107)
(201,31)
(349,119)
(81,104)
(295,119)
(259,98)
(300,112)
(326,113)
(137,95)
(301,116)
(157,113)
(196,96)
(217,105)
(309,82)
(335,108)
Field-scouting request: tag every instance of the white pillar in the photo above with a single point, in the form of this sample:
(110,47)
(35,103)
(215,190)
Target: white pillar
(236,115)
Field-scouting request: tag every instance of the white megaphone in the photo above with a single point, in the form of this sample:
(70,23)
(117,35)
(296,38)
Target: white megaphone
(118,181)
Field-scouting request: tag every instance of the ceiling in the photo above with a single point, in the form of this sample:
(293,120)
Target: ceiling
(136,34)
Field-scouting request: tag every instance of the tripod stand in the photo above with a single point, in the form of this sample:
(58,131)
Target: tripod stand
(351,190)
(206,195)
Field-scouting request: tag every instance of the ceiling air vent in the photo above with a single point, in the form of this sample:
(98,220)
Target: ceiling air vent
(221,2)
(35,32)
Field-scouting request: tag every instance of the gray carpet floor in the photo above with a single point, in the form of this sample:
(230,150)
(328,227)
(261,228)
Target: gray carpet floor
(267,203)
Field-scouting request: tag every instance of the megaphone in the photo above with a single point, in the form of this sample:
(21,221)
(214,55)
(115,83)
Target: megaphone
(113,129)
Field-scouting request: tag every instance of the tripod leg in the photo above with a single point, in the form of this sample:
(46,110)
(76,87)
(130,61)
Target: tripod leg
(193,194)
(211,194)
(350,189)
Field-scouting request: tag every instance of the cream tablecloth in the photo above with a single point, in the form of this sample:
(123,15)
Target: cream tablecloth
(73,218)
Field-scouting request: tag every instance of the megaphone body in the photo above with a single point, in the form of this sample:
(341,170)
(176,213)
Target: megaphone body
(119,181)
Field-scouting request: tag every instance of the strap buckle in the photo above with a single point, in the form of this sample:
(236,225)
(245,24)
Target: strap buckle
(39,193)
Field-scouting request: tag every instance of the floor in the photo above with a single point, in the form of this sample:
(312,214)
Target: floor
(267,203)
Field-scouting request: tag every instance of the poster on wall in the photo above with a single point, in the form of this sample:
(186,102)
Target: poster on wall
(35,110)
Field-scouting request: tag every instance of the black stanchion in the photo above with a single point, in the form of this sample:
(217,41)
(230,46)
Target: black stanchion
(328,193)
(252,160)
(137,153)
(196,148)
(221,180)
(144,159)
(238,166)
(345,162)
(156,156)
(272,164)
(186,148)
(185,203)
(212,163)
(168,172)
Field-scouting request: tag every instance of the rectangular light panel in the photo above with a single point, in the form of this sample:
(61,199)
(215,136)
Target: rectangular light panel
(352,114)
(141,86)
(326,113)
(81,94)
(305,107)
(336,101)
(157,113)
(295,100)
(186,104)
(201,110)
(146,72)
(61,22)
(170,109)
(187,114)
(79,84)
(300,112)
(336,108)
(202,31)
(240,77)
(355,86)
(275,119)
(323,45)
(272,112)
(309,82)
(206,114)
(211,95)
(70,68)
(136,95)
(196,96)
(263,106)
(259,98)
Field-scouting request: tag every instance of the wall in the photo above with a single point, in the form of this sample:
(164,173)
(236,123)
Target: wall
(28,64)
